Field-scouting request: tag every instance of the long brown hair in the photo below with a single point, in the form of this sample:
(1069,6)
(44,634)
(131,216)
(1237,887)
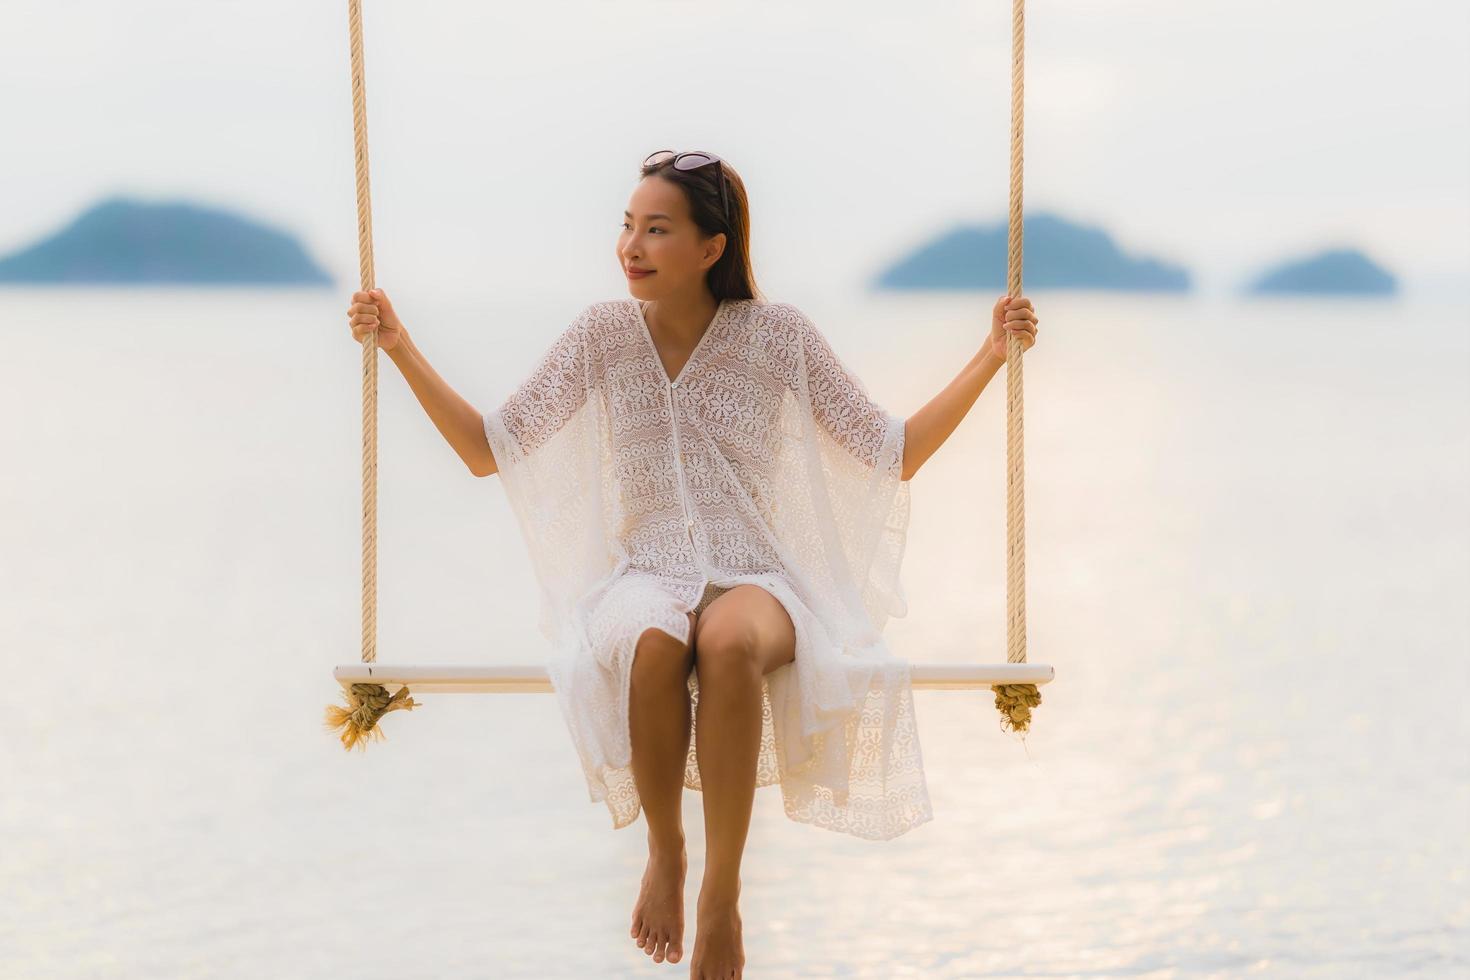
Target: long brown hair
(731,276)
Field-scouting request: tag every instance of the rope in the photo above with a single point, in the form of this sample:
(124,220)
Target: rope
(366,703)
(1015,701)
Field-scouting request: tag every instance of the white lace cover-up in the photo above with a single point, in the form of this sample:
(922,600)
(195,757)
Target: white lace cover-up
(765,461)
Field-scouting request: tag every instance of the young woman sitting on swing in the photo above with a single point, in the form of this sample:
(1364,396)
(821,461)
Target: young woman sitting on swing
(759,504)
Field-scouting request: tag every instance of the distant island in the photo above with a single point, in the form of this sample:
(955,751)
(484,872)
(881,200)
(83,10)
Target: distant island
(1058,254)
(122,240)
(126,240)
(1337,271)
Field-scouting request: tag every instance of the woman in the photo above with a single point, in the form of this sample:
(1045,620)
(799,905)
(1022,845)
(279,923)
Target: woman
(716,512)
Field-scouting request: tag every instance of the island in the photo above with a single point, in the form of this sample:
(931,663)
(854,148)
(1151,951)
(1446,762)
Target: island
(125,240)
(1058,254)
(1333,271)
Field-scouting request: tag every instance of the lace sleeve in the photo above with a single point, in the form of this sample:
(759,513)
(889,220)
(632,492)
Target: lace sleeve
(840,402)
(546,400)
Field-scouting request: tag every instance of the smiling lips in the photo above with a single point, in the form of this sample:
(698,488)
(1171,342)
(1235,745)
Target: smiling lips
(634,273)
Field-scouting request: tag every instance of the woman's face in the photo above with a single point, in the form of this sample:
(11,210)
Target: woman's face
(659,235)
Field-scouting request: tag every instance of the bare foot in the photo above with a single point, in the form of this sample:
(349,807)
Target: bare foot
(719,951)
(658,916)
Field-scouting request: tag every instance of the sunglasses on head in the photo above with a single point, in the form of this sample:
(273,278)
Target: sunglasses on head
(693,160)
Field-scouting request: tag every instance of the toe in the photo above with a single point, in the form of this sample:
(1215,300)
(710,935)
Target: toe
(675,951)
(659,945)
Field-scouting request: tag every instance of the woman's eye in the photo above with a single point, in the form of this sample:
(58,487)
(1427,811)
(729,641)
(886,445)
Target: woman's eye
(625,225)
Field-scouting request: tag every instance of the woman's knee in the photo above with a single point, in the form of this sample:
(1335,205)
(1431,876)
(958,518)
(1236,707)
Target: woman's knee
(731,644)
(659,655)
(747,631)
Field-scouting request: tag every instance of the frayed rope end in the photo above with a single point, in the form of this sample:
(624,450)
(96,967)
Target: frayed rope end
(1015,702)
(366,704)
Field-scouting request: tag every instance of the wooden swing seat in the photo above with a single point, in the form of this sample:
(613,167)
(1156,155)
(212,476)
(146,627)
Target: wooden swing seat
(531,679)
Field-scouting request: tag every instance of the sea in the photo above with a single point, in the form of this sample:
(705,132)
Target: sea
(1247,536)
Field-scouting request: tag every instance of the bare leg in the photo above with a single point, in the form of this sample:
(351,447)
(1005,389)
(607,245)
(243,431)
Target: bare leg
(742,635)
(658,720)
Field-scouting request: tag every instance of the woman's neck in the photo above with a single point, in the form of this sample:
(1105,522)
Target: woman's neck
(681,321)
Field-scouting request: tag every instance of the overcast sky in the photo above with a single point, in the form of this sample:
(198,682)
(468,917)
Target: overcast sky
(505,138)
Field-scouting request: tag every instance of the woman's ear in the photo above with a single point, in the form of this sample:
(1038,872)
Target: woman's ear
(714,248)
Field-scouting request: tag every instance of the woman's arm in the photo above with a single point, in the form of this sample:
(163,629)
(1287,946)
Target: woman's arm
(459,422)
(927,429)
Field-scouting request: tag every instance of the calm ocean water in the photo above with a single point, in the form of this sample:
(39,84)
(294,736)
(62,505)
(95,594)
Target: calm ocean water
(1248,549)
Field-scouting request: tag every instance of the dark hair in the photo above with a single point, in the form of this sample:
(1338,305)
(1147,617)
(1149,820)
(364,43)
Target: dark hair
(730,277)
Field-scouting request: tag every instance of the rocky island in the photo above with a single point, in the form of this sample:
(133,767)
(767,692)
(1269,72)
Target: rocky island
(1336,271)
(122,240)
(1059,254)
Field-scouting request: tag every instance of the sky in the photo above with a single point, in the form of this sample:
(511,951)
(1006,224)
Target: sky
(505,139)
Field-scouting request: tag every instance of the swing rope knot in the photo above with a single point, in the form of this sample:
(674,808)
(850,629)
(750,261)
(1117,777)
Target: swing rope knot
(366,703)
(1015,702)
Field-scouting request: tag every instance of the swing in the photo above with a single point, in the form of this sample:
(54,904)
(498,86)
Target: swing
(365,685)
